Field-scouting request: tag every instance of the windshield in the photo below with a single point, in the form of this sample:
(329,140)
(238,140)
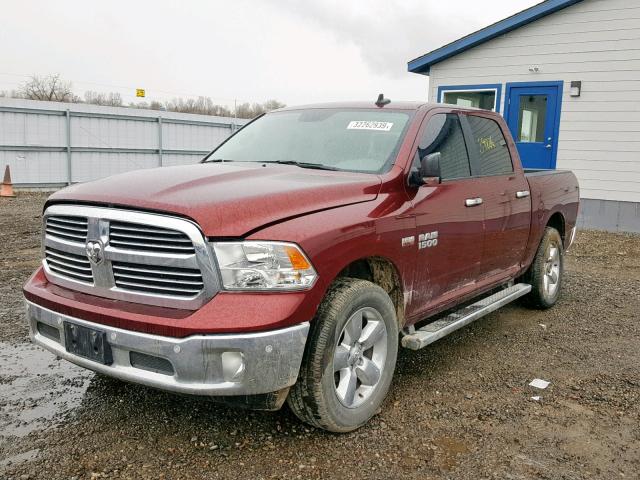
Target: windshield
(336,139)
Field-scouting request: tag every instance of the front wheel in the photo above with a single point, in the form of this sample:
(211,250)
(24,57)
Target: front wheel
(545,272)
(349,359)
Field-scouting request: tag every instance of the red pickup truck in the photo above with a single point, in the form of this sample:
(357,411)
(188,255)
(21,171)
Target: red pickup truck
(287,265)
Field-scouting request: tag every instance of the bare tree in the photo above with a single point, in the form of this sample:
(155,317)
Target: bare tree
(247,110)
(206,106)
(110,99)
(10,94)
(53,88)
(272,105)
(201,105)
(50,88)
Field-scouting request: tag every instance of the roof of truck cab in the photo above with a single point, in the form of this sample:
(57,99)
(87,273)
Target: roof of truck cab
(399,105)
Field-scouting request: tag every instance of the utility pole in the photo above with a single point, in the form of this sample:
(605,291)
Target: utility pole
(235,114)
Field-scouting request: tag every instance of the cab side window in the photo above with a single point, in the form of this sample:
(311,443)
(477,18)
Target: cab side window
(444,134)
(491,146)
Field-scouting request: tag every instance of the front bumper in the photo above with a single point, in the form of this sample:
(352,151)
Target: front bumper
(213,365)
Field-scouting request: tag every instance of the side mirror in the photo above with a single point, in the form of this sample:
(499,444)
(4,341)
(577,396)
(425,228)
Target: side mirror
(429,172)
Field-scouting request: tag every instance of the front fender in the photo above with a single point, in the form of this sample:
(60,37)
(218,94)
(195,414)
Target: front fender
(336,238)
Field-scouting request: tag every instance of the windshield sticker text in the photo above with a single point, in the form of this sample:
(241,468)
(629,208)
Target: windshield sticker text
(367,125)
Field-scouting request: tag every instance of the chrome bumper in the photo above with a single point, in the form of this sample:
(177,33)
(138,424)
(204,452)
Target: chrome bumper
(215,365)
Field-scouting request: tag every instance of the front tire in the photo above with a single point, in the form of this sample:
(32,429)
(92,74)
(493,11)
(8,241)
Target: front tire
(545,273)
(349,359)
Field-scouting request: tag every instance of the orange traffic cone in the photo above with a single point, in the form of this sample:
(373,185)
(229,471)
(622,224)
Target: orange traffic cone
(7,187)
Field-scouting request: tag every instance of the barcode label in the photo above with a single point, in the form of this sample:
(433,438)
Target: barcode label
(367,125)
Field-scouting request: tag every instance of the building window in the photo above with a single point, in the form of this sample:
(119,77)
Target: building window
(486,97)
(531,118)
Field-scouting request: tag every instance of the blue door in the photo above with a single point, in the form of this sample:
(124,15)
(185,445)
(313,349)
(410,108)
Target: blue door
(533,116)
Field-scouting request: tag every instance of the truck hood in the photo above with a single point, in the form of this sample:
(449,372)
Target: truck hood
(227,199)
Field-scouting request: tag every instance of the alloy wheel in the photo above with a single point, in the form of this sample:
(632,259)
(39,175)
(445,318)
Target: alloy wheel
(551,278)
(359,357)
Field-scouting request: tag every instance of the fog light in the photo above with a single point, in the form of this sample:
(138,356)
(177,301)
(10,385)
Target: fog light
(233,366)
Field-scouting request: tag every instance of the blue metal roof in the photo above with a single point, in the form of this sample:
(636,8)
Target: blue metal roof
(422,64)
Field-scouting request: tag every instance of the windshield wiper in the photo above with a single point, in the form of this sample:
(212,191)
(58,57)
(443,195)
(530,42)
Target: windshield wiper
(317,166)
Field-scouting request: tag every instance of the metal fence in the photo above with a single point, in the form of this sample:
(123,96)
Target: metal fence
(50,144)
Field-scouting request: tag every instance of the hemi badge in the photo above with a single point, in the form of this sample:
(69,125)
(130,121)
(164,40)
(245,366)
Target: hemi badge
(408,241)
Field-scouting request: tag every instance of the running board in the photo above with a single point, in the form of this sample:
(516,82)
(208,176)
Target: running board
(452,322)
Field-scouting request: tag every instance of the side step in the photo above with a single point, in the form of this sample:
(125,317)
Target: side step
(452,322)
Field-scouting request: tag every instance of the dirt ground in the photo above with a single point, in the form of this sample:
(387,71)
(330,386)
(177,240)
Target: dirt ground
(460,408)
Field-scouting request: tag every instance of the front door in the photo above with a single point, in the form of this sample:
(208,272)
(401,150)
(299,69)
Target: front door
(533,117)
(450,223)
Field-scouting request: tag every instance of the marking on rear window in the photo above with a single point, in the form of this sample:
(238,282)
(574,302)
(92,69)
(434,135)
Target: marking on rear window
(486,144)
(368,125)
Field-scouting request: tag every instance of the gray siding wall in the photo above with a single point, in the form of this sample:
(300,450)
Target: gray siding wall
(609,215)
(597,42)
(103,141)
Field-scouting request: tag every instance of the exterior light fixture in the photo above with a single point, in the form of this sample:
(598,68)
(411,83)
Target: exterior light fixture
(576,87)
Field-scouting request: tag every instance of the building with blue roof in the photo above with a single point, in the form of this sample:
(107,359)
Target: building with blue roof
(565,74)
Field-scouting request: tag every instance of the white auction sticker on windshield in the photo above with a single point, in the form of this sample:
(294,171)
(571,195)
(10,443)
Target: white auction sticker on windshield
(368,125)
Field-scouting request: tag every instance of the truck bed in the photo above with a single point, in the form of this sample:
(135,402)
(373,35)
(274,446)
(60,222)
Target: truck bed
(534,172)
(552,191)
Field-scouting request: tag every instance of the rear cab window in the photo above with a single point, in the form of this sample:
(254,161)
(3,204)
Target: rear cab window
(491,146)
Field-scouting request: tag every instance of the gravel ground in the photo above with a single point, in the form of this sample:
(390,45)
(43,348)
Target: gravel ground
(460,408)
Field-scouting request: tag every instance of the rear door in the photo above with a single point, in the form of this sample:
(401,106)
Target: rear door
(506,196)
(449,228)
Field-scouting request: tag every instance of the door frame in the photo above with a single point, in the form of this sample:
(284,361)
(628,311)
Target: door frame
(559,84)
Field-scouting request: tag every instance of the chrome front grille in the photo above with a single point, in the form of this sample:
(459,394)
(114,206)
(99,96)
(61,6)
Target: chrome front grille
(76,267)
(134,256)
(73,229)
(182,282)
(132,236)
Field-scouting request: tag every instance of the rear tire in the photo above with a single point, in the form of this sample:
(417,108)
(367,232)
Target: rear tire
(349,359)
(546,270)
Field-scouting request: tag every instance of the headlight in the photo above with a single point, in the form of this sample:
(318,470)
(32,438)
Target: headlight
(259,265)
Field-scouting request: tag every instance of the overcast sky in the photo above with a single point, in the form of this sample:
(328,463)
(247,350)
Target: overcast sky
(294,51)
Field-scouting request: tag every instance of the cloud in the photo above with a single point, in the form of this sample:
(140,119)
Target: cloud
(388,34)
(296,51)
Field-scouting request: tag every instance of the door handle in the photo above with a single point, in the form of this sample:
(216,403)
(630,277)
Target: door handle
(473,202)
(523,194)
(547,146)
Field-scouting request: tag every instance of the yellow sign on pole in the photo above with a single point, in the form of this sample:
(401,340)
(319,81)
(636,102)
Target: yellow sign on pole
(139,92)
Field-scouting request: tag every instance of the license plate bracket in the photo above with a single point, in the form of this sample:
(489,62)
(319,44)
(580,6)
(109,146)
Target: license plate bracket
(88,343)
